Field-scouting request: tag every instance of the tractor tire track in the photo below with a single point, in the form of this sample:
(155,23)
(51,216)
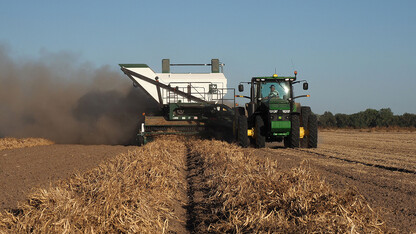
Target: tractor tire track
(389,168)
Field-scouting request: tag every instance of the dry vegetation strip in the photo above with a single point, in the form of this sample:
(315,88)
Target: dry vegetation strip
(243,193)
(134,192)
(14,143)
(229,192)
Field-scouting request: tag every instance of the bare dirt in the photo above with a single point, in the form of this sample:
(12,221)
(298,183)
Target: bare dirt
(380,166)
(24,169)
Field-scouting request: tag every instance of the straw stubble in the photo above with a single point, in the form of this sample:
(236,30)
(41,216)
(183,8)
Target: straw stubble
(186,185)
(246,193)
(134,192)
(15,143)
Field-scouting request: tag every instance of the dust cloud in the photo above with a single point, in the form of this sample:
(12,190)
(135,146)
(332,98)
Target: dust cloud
(57,98)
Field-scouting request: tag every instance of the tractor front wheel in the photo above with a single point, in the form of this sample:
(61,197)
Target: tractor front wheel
(292,141)
(242,137)
(260,139)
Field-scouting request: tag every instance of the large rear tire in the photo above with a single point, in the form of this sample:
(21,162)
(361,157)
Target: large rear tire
(313,131)
(260,139)
(304,116)
(292,141)
(242,137)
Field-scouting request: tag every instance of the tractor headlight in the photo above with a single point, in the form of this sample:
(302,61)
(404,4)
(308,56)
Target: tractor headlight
(286,111)
(273,111)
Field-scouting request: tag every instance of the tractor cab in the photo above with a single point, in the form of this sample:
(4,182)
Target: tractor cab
(272,93)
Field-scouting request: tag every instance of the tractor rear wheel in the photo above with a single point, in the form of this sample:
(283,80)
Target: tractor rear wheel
(242,137)
(313,131)
(304,116)
(292,141)
(260,139)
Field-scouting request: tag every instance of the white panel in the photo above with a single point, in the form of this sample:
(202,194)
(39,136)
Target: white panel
(150,88)
(199,83)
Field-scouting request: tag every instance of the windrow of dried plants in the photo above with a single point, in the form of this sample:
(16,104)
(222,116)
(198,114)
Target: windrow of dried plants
(14,143)
(222,187)
(246,193)
(136,192)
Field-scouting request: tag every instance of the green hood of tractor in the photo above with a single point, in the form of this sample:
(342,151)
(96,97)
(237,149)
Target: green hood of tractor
(279,104)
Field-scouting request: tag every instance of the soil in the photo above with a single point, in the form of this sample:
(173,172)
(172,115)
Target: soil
(380,166)
(23,169)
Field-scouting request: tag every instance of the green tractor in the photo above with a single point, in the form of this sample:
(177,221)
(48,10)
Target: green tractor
(273,115)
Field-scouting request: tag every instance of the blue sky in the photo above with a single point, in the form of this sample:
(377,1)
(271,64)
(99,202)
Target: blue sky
(355,54)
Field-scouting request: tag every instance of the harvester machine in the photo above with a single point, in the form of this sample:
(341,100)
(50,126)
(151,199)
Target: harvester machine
(190,103)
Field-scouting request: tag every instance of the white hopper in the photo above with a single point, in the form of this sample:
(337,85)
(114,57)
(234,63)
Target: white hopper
(210,87)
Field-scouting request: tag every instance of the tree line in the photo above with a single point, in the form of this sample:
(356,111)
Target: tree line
(369,118)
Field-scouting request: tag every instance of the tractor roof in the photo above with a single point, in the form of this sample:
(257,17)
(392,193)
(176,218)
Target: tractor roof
(292,78)
(276,77)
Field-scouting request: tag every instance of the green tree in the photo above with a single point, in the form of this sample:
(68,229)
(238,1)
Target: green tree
(385,117)
(408,120)
(357,120)
(327,120)
(343,120)
(370,117)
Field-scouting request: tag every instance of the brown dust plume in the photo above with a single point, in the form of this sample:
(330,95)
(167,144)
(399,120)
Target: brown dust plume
(58,98)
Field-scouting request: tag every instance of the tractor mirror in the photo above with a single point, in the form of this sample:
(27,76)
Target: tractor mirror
(305,86)
(240,88)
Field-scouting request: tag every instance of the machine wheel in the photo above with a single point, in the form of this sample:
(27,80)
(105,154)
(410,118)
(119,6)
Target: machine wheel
(313,131)
(260,139)
(304,116)
(235,126)
(305,112)
(240,110)
(292,140)
(242,137)
(140,140)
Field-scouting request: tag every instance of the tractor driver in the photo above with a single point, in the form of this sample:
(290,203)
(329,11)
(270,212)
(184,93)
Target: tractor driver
(273,93)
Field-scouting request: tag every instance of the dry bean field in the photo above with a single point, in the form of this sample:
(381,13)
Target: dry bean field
(355,181)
